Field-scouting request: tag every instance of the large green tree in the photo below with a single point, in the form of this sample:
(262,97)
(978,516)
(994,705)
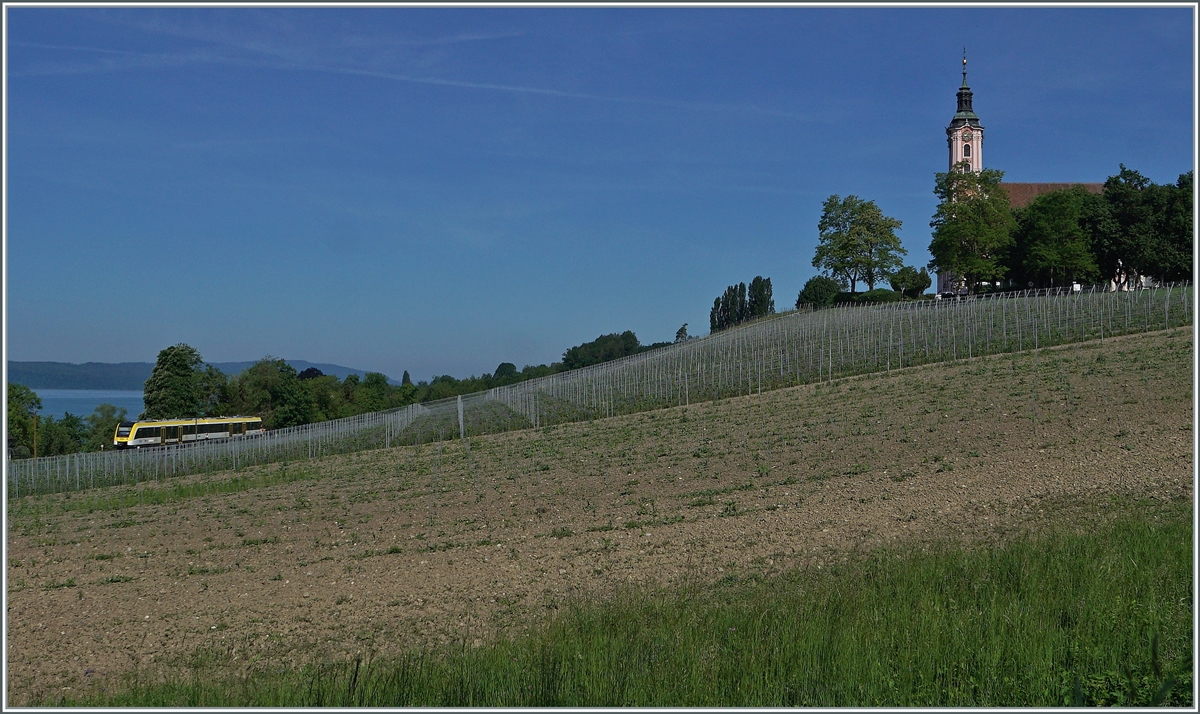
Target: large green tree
(1167,255)
(857,242)
(759,302)
(1051,244)
(729,309)
(1143,229)
(973,225)
(271,389)
(23,407)
(172,391)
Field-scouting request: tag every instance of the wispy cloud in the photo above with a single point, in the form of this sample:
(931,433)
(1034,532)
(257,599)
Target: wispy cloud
(72,48)
(276,43)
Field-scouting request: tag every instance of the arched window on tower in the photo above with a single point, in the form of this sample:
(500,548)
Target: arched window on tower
(966,151)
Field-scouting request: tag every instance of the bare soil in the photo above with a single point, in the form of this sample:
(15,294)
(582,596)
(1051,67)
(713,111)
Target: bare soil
(376,552)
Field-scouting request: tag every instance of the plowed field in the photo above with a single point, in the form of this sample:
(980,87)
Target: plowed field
(379,551)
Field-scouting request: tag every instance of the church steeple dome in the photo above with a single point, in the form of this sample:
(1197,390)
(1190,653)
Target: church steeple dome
(965,133)
(965,114)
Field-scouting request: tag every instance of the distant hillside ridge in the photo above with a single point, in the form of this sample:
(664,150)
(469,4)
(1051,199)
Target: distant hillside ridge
(129,375)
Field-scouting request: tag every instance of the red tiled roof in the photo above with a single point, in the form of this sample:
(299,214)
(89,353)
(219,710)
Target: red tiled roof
(1021,194)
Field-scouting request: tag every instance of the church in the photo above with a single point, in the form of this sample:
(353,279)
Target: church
(964,137)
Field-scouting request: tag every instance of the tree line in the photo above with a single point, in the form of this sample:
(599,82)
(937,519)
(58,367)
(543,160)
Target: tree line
(182,386)
(1134,229)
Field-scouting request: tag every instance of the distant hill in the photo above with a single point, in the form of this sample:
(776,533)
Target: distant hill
(129,375)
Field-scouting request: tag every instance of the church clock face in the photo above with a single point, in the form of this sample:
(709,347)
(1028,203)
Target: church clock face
(967,136)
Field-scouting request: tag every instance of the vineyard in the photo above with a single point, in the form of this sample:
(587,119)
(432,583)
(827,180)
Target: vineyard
(792,348)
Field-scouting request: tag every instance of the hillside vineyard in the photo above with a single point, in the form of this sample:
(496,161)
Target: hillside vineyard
(793,348)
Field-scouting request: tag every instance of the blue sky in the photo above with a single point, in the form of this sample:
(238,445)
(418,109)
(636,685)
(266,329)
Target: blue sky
(439,190)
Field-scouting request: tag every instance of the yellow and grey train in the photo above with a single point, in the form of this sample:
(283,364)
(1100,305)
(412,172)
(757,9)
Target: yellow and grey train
(160,432)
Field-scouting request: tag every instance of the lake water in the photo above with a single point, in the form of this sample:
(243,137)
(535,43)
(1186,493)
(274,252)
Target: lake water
(82,402)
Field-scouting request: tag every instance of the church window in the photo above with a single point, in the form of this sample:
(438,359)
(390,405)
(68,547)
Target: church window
(966,151)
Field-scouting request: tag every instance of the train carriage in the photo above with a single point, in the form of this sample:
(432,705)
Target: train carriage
(160,432)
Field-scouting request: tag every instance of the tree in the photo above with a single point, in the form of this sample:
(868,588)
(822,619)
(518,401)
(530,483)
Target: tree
(23,407)
(730,309)
(857,242)
(819,291)
(56,437)
(372,394)
(1141,228)
(310,373)
(759,302)
(681,334)
(911,283)
(101,425)
(271,389)
(973,225)
(172,392)
(1168,255)
(1051,245)
(407,379)
(602,349)
(212,390)
(503,370)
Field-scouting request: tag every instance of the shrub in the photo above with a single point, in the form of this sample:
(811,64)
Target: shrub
(879,295)
(819,291)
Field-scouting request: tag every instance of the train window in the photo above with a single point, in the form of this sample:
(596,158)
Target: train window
(147,432)
(189,429)
(123,430)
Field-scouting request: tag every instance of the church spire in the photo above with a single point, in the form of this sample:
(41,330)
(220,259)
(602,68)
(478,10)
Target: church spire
(965,114)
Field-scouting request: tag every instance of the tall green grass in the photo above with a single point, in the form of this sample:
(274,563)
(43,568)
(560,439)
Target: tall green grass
(1085,616)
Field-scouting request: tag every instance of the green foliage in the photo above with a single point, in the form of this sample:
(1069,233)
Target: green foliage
(911,283)
(681,334)
(604,348)
(211,386)
(739,304)
(1051,245)
(759,302)
(504,370)
(1144,228)
(101,424)
(878,295)
(973,225)
(819,291)
(271,389)
(173,389)
(857,242)
(729,309)
(68,435)
(23,406)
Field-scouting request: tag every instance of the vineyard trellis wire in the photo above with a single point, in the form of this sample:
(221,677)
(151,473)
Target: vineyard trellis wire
(792,348)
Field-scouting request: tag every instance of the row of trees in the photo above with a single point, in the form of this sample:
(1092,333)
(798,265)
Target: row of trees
(30,434)
(181,385)
(739,304)
(1134,229)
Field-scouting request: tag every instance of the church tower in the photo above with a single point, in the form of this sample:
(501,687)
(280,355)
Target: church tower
(965,133)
